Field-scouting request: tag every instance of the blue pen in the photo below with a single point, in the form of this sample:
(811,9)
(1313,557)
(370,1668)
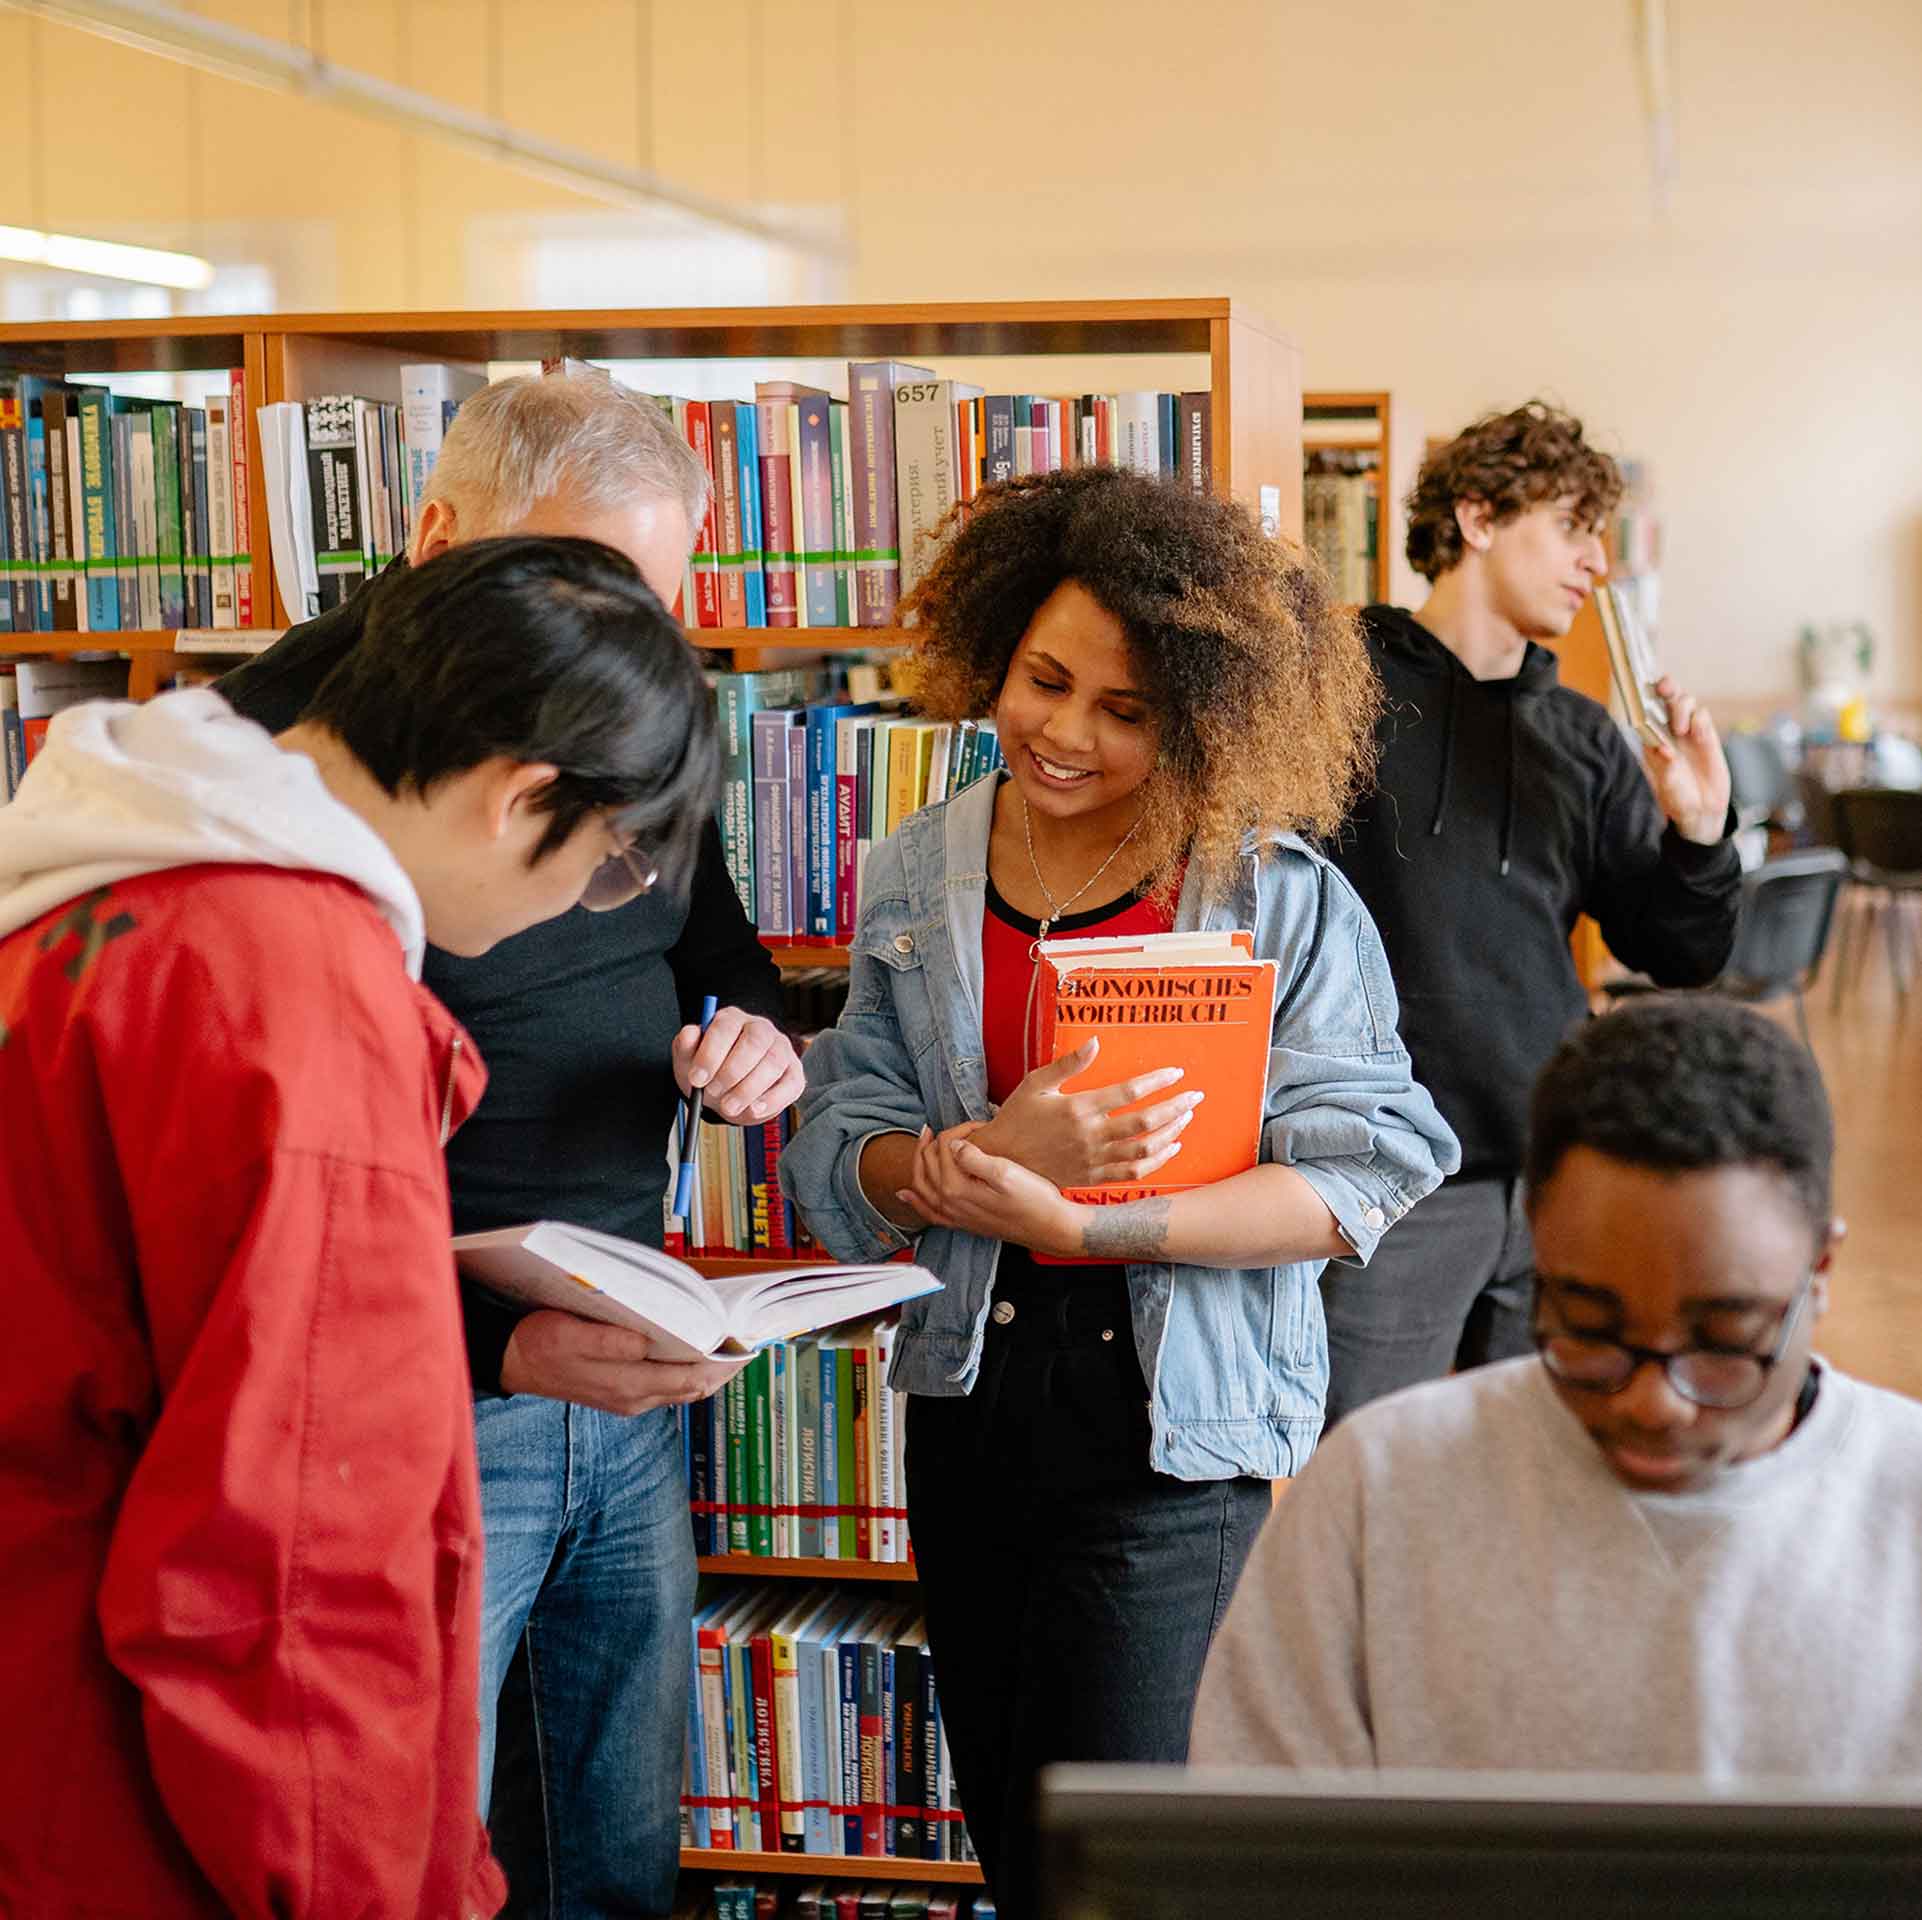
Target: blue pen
(690,1128)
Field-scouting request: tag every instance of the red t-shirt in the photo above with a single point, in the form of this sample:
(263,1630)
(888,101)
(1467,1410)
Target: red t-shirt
(1008,973)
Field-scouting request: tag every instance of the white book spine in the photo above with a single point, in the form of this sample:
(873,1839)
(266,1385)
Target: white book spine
(220,512)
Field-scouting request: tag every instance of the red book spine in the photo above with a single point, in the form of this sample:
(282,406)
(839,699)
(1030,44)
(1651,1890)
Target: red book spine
(761,1661)
(706,611)
(779,535)
(846,844)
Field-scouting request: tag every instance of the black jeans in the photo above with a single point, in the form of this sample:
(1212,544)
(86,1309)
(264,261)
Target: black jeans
(1452,1285)
(1071,1592)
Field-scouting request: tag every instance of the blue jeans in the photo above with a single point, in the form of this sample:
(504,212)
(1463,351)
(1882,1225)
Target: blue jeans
(1451,1286)
(590,1563)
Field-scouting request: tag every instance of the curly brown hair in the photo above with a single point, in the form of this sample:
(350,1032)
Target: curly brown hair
(1260,682)
(1511,461)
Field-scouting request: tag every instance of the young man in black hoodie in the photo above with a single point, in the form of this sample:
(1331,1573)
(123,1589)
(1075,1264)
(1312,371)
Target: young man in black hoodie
(1506,806)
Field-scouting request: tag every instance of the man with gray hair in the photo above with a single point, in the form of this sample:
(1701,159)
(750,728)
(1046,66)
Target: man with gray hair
(589,1028)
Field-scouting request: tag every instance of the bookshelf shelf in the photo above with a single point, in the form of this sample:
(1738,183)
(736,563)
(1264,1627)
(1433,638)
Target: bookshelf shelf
(796,639)
(899,1572)
(832,1866)
(214,641)
(787,953)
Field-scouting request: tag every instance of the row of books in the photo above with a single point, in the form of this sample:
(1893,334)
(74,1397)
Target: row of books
(811,783)
(737,1899)
(823,511)
(813,1727)
(1341,519)
(800,1455)
(121,513)
(345,478)
(738,1208)
(32,691)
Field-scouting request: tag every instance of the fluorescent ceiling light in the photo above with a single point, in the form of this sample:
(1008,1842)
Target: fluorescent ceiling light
(151,266)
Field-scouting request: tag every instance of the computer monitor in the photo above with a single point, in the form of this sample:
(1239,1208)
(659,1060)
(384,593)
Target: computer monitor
(1168,1843)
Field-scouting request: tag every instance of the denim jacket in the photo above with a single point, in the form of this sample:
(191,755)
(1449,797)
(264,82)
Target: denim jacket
(1236,1359)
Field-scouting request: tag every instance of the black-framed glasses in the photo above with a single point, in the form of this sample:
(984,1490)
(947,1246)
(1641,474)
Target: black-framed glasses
(1723,1378)
(624,875)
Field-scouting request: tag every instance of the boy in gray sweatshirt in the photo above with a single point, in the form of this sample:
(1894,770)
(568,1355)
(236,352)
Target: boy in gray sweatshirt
(1673,1541)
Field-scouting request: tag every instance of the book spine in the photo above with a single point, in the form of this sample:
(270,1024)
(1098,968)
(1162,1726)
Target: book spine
(907,1824)
(887,1494)
(815,446)
(747,1808)
(739,1494)
(201,541)
(747,427)
(831,1537)
(334,490)
(769,733)
(240,435)
(807,1445)
(998,460)
(696,429)
(846,1449)
(780,1213)
(697,1824)
(843,510)
(781,535)
(760,1526)
(96,484)
(934,1831)
(873,1795)
(166,472)
(863,1455)
(716,1408)
(848,1667)
(767,1810)
(812,1687)
(820,725)
(77,515)
(53,409)
(780,1401)
(876,510)
(713,1691)
(925,476)
(146,518)
(700,1477)
(220,512)
(797,846)
(18,500)
(847,737)
(126,518)
(1197,442)
(40,524)
(787,1735)
(726,453)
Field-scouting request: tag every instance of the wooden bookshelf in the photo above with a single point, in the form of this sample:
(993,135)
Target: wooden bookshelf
(900,1571)
(1377,424)
(831,1866)
(1251,370)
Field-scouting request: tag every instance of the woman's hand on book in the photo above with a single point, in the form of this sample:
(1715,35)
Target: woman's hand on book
(560,1356)
(956,1184)
(1690,778)
(1082,1139)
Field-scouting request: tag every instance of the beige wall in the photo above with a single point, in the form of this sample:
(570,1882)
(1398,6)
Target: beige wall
(1452,202)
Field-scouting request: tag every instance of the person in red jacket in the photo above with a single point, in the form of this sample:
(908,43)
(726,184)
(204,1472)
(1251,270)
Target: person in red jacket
(239,1521)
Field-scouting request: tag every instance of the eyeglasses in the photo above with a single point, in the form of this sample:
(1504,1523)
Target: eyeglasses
(1723,1378)
(624,875)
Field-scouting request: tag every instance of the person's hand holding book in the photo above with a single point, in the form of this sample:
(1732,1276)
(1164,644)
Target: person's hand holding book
(956,1184)
(1082,1139)
(1690,777)
(561,1356)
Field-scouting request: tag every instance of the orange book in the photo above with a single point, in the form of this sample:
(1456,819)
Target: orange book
(1198,1001)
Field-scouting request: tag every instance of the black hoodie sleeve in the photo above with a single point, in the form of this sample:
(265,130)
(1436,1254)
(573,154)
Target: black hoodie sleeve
(718,951)
(1666,905)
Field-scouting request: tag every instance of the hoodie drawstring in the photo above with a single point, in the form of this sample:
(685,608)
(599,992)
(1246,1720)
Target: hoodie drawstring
(1508,801)
(1446,790)
(1448,757)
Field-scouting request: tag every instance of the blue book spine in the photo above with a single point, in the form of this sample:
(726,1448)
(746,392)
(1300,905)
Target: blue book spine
(700,1476)
(850,1663)
(747,441)
(42,523)
(754,1150)
(820,819)
(98,536)
(1168,419)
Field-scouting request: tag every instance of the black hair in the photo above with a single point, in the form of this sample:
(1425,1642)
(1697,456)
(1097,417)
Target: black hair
(1685,1084)
(534,648)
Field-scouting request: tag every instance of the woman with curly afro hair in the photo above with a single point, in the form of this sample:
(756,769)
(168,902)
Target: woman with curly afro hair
(1100,1396)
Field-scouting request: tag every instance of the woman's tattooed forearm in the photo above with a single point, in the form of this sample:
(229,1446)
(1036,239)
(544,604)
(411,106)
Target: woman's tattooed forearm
(1135,1230)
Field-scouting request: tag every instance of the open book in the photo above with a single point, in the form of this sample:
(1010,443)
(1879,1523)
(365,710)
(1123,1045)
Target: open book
(690,1317)
(1632,661)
